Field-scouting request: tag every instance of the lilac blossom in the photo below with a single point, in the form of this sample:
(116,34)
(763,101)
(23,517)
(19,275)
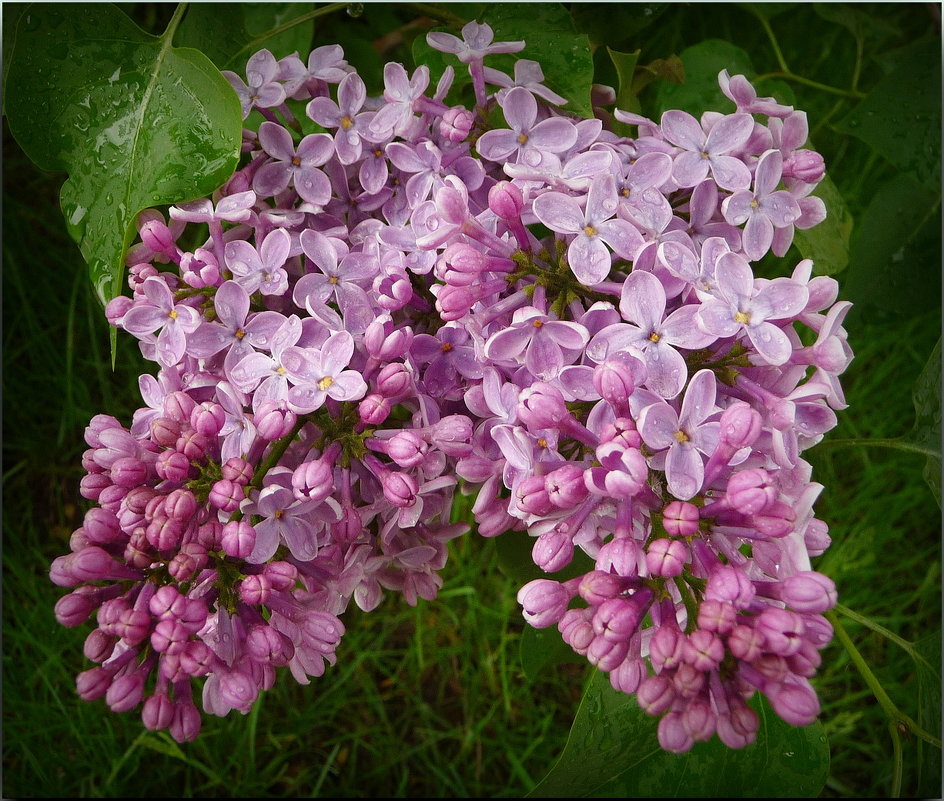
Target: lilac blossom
(709,151)
(261,88)
(295,166)
(528,140)
(159,311)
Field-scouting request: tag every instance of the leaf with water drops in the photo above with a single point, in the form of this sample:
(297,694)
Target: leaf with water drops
(612,752)
(134,121)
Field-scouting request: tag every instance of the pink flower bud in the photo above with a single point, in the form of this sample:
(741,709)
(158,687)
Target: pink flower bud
(91,486)
(73,609)
(93,684)
(239,538)
(193,445)
(226,495)
(126,692)
(680,519)
(618,618)
(385,342)
(703,650)
(128,472)
(157,236)
(157,712)
(273,422)
(805,165)
(238,470)
(506,200)
(164,431)
(180,505)
(795,702)
(716,616)
(782,630)
(596,586)
(745,643)
(740,426)
(208,418)
(400,488)
(532,496)
(456,123)
(186,723)
(283,575)
(553,550)
(374,409)
(117,308)
(617,378)
(607,654)
(673,737)
(454,302)
(655,695)
(188,561)
(394,380)
(565,486)
(626,677)
(101,526)
(254,590)
(98,646)
(620,556)
(809,591)
(173,466)
(542,406)
(666,557)
(576,629)
(751,491)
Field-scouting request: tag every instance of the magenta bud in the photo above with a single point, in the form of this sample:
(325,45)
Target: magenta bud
(407,448)
(394,380)
(607,654)
(738,728)
(565,486)
(273,422)
(673,737)
(576,628)
(117,308)
(157,236)
(626,677)
(101,526)
(553,550)
(809,592)
(226,495)
(655,694)
(596,586)
(776,521)
(239,539)
(180,505)
(796,703)
(133,626)
(91,485)
(680,519)
(313,480)
(94,564)
(805,165)
(542,406)
(111,497)
(164,533)
(178,406)
(169,635)
(620,556)
(687,681)
(173,466)
(731,584)
(283,575)
(751,491)
(126,692)
(506,200)
(98,646)
(394,291)
(745,643)
(193,445)
(453,435)
(716,616)
(617,378)
(617,618)
(400,488)
(666,648)
(93,684)
(73,609)
(208,418)
(164,431)
(703,650)
(454,302)
(209,534)
(385,342)
(157,712)
(238,470)
(666,558)
(166,602)
(532,496)
(782,630)
(455,123)
(265,644)
(186,723)
(374,409)
(740,426)
(137,499)
(196,658)
(128,472)
(699,720)
(255,589)
(188,561)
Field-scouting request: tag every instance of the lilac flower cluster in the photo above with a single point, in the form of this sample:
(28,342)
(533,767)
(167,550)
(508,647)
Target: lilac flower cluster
(389,296)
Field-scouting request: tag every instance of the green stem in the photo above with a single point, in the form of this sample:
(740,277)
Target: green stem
(789,76)
(894,443)
(897,717)
(774,43)
(896,760)
(175,21)
(906,646)
(427,10)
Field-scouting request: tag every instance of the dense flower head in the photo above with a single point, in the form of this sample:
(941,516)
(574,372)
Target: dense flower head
(372,315)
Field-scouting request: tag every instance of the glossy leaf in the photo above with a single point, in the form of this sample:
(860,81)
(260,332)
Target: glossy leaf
(700,90)
(901,117)
(612,751)
(541,649)
(827,244)
(134,121)
(895,253)
(228,34)
(614,23)
(928,667)
(625,64)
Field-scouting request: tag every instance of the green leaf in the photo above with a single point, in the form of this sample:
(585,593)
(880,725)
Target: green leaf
(929,712)
(901,117)
(827,244)
(514,559)
(550,39)
(613,751)
(614,23)
(134,121)
(543,648)
(861,25)
(927,430)
(895,254)
(700,91)
(228,34)
(625,64)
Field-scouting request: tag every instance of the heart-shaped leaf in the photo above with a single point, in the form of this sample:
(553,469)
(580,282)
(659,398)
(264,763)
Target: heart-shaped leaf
(135,122)
(827,244)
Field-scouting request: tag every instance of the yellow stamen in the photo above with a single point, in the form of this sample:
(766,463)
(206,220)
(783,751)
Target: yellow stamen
(296,161)
(346,122)
(325,382)
(537,323)
(589,230)
(681,436)
(542,443)
(240,333)
(333,279)
(172,314)
(280,370)
(522,139)
(654,337)
(743,318)
(445,347)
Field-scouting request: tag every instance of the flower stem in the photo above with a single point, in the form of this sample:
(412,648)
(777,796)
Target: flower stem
(897,717)
(789,76)
(895,443)
(318,12)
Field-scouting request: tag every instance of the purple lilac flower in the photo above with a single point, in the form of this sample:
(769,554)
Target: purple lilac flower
(159,311)
(709,151)
(295,166)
